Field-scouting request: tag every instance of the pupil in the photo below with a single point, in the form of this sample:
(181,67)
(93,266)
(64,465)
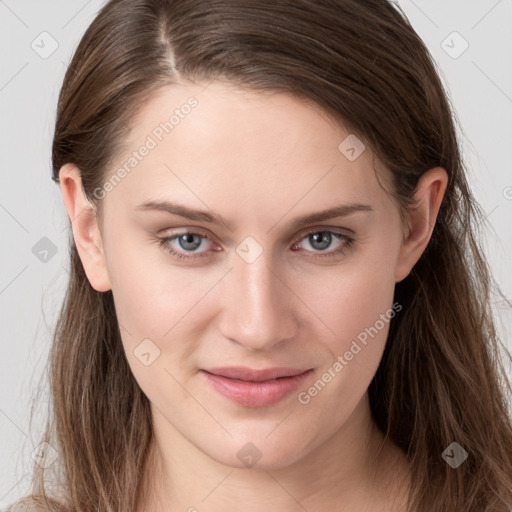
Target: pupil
(187,241)
(323,238)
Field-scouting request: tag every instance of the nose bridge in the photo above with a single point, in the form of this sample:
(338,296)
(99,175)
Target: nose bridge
(258,307)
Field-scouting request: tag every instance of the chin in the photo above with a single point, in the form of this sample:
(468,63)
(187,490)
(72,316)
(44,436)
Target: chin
(258,455)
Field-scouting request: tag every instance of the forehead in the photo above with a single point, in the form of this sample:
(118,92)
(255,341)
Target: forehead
(220,144)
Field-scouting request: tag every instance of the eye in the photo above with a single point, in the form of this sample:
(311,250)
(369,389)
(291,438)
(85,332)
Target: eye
(320,240)
(185,245)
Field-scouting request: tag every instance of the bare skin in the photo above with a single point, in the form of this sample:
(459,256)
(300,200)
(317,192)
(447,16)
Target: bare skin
(260,161)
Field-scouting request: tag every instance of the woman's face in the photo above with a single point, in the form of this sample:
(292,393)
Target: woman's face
(260,288)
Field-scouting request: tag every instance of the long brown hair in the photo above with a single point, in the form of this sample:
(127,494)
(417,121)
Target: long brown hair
(441,378)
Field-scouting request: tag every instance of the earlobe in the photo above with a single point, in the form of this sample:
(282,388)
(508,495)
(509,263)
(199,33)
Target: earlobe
(421,218)
(86,232)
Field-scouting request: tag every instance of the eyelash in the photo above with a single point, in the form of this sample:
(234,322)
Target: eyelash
(165,244)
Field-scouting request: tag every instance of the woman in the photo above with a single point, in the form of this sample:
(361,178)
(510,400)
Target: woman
(277,299)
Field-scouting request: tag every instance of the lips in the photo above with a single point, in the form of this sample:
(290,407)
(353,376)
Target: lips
(255,388)
(250,375)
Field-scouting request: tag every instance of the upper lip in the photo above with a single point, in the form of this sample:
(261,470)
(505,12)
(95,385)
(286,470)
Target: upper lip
(253,375)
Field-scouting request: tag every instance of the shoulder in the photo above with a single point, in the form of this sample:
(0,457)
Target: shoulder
(36,504)
(17,506)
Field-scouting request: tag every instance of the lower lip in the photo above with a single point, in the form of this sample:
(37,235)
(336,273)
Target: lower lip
(255,394)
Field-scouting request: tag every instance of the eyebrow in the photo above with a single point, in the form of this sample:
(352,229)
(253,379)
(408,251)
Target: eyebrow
(213,218)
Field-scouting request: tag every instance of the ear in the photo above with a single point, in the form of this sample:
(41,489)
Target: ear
(86,232)
(421,219)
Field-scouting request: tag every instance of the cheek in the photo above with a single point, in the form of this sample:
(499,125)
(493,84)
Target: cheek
(157,308)
(158,304)
(358,308)
(153,298)
(356,302)
(351,297)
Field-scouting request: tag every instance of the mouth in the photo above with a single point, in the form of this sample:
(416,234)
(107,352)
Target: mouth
(255,388)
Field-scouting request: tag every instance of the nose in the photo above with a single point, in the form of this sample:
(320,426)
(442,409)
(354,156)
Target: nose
(258,307)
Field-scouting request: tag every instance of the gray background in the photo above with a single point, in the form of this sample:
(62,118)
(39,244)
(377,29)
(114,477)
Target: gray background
(33,219)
